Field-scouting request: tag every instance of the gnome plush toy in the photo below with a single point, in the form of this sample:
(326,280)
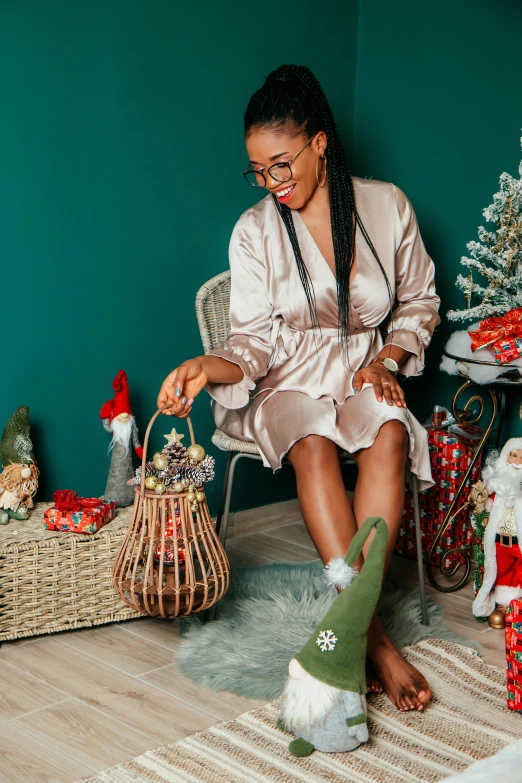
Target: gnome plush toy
(19,478)
(117,419)
(503,534)
(323,702)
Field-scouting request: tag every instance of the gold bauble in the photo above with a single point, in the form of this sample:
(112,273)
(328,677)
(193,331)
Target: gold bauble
(191,497)
(160,461)
(497,619)
(150,482)
(194,507)
(178,486)
(196,452)
(200,497)
(192,487)
(160,488)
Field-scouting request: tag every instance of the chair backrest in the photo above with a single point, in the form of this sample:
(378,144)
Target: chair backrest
(212,311)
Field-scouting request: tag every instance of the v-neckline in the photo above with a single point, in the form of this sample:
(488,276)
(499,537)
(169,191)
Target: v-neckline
(321,256)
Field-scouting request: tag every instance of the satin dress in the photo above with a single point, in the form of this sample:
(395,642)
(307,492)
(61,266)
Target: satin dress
(294,381)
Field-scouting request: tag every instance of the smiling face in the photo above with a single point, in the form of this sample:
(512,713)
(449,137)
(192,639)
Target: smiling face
(266,146)
(515,457)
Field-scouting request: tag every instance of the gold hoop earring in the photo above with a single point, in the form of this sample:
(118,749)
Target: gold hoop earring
(317,171)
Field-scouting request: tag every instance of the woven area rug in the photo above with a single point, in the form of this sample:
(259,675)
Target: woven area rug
(267,616)
(466,720)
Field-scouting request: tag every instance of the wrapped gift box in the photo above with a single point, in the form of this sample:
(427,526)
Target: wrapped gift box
(450,456)
(506,351)
(514,656)
(85,521)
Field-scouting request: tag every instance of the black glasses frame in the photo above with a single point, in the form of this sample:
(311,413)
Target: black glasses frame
(285,164)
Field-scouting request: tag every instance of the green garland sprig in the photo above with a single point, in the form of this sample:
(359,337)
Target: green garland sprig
(479,522)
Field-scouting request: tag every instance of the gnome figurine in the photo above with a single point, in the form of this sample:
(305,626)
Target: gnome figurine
(503,534)
(118,420)
(323,702)
(19,478)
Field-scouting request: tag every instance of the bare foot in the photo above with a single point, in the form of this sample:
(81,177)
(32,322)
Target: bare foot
(372,681)
(403,684)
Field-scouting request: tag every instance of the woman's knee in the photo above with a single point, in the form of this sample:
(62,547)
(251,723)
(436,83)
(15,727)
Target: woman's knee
(312,448)
(390,447)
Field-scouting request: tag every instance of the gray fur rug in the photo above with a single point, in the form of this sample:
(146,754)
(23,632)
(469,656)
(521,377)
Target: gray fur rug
(267,615)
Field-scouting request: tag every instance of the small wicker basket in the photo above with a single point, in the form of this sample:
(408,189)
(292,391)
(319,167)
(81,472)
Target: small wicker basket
(160,572)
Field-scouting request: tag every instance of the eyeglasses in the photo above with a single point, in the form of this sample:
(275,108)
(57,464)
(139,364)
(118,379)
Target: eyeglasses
(281,172)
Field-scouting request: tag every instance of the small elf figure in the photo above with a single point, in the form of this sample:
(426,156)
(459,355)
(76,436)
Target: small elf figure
(323,702)
(503,535)
(19,478)
(117,418)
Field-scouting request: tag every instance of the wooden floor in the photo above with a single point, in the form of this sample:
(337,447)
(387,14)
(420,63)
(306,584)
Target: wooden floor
(79,701)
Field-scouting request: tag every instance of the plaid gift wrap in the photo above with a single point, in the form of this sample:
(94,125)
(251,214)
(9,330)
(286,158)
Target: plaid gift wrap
(84,521)
(450,456)
(506,351)
(514,656)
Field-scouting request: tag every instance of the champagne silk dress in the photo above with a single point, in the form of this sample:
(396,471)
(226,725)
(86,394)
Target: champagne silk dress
(295,383)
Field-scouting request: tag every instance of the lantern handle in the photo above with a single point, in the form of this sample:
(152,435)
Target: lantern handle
(146,442)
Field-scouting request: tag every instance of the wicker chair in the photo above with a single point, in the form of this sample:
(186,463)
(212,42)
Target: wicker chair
(212,310)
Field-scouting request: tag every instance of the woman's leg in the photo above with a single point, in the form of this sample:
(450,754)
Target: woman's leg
(324,504)
(379,491)
(331,524)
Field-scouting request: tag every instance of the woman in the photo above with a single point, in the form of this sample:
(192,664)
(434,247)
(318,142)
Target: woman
(304,370)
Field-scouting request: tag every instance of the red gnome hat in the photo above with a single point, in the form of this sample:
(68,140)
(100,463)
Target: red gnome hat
(120,403)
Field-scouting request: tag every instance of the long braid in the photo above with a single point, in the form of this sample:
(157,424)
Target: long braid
(292,98)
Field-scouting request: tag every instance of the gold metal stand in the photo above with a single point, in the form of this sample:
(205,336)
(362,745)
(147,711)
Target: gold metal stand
(497,393)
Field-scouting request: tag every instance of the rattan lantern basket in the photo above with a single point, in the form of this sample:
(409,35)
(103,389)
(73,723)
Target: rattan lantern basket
(171,562)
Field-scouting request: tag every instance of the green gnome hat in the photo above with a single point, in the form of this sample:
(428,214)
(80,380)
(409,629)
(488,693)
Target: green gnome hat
(336,651)
(16,446)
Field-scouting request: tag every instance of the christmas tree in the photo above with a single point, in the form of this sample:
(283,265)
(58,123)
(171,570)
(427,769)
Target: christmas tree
(497,257)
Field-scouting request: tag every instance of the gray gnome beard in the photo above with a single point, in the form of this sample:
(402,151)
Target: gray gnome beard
(121,469)
(317,712)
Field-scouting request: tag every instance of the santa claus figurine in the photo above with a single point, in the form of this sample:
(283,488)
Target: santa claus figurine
(118,420)
(503,535)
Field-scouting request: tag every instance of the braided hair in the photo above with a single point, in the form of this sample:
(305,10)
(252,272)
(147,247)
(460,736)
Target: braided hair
(292,100)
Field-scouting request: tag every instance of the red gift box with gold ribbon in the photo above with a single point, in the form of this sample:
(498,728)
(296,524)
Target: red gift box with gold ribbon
(501,334)
(78,515)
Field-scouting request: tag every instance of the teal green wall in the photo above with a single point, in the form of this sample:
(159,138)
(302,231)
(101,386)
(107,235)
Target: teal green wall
(120,156)
(121,153)
(438,112)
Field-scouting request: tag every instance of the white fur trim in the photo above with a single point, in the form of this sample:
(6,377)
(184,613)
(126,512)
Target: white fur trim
(504,594)
(337,573)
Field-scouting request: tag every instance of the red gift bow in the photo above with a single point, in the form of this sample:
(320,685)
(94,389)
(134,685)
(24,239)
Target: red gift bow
(493,329)
(68,500)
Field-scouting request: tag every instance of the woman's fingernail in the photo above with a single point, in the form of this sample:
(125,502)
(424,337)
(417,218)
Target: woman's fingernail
(355,389)
(379,399)
(177,392)
(183,400)
(390,402)
(190,401)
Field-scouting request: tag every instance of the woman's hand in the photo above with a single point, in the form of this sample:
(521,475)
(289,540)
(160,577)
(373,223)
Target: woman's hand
(180,387)
(383,382)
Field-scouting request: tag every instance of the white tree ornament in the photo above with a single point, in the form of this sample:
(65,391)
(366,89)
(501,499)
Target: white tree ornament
(497,257)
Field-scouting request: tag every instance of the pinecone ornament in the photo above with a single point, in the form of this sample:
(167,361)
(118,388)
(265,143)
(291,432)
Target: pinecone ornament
(150,470)
(176,454)
(200,472)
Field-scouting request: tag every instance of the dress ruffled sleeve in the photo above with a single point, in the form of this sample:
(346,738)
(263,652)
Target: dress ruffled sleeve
(248,344)
(416,315)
